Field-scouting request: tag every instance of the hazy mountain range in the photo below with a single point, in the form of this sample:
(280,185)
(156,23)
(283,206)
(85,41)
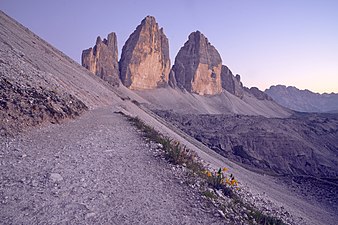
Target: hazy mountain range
(303,100)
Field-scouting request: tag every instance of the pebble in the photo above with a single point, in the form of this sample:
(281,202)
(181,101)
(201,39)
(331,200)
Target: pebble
(221,213)
(55,177)
(34,183)
(88,215)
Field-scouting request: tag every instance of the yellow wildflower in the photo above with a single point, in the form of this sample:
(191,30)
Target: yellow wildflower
(227,181)
(209,174)
(225,169)
(234,182)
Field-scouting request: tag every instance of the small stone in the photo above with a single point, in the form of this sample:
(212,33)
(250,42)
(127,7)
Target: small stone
(55,177)
(34,183)
(221,213)
(88,215)
(219,193)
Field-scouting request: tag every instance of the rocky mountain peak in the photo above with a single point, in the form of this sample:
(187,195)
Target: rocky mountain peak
(145,62)
(197,66)
(231,83)
(149,20)
(98,40)
(102,59)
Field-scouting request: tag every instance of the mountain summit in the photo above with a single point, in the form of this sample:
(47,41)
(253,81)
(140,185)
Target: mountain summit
(102,60)
(198,66)
(145,62)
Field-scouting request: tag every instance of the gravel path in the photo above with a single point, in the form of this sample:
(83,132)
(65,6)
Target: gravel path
(94,170)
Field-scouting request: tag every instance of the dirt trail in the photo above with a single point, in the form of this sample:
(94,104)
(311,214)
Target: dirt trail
(94,170)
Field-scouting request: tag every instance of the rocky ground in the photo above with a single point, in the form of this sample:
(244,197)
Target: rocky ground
(94,170)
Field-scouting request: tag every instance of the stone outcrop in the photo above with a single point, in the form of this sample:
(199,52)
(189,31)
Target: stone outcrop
(231,83)
(102,60)
(197,67)
(145,62)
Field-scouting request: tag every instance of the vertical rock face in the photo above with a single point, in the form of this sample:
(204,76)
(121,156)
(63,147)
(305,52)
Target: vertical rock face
(145,62)
(232,83)
(102,60)
(197,67)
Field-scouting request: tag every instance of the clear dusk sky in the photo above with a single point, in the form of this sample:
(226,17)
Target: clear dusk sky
(267,42)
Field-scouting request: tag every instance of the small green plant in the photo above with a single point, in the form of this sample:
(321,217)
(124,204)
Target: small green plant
(261,218)
(209,194)
(174,151)
(219,180)
(148,132)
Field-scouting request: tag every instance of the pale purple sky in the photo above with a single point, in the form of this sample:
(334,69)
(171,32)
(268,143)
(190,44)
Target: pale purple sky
(267,42)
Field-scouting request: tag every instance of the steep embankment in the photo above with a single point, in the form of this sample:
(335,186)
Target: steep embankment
(39,83)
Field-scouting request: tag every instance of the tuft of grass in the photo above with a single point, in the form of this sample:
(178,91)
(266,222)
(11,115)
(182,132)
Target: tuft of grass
(175,153)
(261,218)
(148,132)
(209,194)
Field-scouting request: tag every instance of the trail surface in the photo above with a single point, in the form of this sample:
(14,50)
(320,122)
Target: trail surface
(94,170)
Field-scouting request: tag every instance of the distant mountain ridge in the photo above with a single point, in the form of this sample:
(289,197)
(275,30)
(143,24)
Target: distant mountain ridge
(303,100)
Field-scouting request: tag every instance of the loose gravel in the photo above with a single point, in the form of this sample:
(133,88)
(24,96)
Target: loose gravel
(94,170)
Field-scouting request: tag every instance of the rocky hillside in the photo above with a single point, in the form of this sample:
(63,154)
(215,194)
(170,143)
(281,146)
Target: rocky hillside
(303,100)
(40,84)
(299,145)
